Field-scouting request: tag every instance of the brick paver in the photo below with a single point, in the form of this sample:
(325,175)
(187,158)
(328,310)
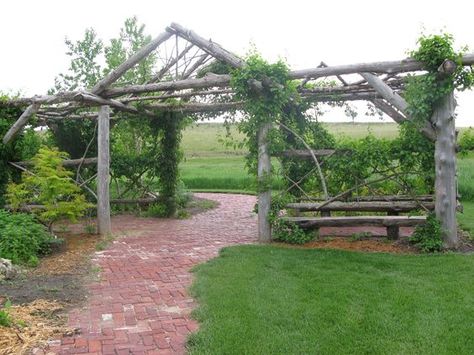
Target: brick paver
(141,304)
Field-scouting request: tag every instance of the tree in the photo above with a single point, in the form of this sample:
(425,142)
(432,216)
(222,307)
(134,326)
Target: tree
(86,69)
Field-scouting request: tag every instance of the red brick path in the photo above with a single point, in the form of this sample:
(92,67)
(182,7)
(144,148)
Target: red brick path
(141,305)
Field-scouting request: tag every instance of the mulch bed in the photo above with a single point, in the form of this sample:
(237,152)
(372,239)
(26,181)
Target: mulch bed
(42,296)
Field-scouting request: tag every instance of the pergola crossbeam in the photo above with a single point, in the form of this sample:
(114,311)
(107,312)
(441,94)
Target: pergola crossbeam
(208,46)
(115,74)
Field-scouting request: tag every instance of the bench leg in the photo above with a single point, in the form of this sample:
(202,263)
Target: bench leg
(393,232)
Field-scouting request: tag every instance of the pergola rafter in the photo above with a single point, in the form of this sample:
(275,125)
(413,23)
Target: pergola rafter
(382,85)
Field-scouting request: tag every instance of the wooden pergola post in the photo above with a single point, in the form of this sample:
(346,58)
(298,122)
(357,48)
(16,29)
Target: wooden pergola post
(103,167)
(264,191)
(445,170)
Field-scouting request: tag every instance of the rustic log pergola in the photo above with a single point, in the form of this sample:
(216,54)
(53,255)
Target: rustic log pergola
(381,84)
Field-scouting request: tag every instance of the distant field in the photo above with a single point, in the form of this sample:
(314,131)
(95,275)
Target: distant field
(205,139)
(210,165)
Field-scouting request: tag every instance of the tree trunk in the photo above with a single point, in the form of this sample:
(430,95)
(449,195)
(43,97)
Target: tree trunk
(103,198)
(445,163)
(264,192)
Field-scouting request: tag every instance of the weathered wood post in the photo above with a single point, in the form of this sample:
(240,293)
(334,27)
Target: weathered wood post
(445,165)
(264,191)
(103,162)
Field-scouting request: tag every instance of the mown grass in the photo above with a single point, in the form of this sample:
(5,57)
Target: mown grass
(269,300)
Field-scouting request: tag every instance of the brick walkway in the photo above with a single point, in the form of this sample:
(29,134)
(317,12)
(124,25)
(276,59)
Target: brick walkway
(141,305)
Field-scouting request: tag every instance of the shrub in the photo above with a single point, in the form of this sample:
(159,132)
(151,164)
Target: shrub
(428,237)
(5,319)
(466,141)
(50,185)
(157,209)
(288,232)
(22,238)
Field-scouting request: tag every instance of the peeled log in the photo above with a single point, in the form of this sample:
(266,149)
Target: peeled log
(21,122)
(142,53)
(103,170)
(445,168)
(264,196)
(363,206)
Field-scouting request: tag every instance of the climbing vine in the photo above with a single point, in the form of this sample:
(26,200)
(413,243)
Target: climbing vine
(170,125)
(266,90)
(423,93)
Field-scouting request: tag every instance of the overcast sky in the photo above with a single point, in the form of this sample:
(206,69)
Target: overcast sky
(303,32)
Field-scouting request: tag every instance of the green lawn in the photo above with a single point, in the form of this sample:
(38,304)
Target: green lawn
(270,300)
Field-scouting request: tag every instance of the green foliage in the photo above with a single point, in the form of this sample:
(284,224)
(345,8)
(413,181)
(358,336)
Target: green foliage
(22,238)
(90,228)
(261,106)
(289,232)
(423,93)
(73,136)
(433,50)
(5,319)
(142,149)
(466,141)
(157,210)
(284,231)
(23,147)
(215,67)
(50,184)
(86,69)
(428,237)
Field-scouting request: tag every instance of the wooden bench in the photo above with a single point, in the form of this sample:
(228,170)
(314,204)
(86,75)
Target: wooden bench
(392,223)
(391,207)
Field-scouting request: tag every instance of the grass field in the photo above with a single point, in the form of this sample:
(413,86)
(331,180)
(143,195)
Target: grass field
(270,300)
(211,166)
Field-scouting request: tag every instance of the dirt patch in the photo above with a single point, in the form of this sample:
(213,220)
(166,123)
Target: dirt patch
(42,296)
(66,289)
(59,276)
(72,259)
(375,245)
(466,244)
